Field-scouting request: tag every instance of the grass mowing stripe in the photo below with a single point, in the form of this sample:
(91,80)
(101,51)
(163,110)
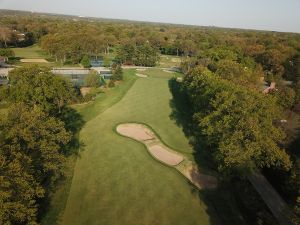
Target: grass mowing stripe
(116,181)
(104,101)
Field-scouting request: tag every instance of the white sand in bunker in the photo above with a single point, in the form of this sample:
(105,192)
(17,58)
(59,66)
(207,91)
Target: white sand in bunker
(141,75)
(168,71)
(34,61)
(163,154)
(166,155)
(140,69)
(144,134)
(136,131)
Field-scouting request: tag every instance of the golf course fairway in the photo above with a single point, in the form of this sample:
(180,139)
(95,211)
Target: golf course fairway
(116,181)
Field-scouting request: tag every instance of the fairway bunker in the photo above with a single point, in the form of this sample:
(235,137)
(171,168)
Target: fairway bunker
(34,61)
(158,150)
(141,75)
(164,154)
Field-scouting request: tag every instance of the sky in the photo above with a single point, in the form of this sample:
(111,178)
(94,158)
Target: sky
(275,15)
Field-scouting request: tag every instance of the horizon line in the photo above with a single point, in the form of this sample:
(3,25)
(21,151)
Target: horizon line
(154,22)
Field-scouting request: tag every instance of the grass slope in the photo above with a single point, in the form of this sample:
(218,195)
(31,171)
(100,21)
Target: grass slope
(116,181)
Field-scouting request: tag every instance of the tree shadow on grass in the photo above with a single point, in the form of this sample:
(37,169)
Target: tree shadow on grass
(220,202)
(73,123)
(182,114)
(49,213)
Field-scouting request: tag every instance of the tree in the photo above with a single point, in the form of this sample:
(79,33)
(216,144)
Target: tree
(236,122)
(31,160)
(125,54)
(286,96)
(85,62)
(236,72)
(146,55)
(6,52)
(117,72)
(92,79)
(19,191)
(38,86)
(5,35)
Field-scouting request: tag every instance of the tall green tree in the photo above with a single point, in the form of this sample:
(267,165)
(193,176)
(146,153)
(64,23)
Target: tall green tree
(117,72)
(31,159)
(236,122)
(92,79)
(38,86)
(85,62)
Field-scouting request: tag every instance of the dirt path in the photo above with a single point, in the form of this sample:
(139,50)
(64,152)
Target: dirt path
(166,155)
(272,199)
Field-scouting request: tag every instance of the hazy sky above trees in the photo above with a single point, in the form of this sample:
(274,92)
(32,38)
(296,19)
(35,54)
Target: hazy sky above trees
(279,15)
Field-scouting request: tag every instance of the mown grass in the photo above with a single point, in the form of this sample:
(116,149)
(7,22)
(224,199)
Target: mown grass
(31,52)
(108,98)
(88,111)
(116,181)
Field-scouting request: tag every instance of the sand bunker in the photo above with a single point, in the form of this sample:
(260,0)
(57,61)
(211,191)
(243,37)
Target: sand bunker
(141,70)
(176,60)
(168,71)
(141,75)
(136,131)
(156,148)
(34,61)
(166,155)
(162,153)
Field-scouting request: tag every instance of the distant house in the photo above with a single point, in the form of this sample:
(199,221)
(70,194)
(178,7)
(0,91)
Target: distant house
(97,63)
(106,74)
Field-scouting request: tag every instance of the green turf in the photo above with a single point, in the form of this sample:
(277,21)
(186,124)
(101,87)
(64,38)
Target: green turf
(88,111)
(116,181)
(31,52)
(108,98)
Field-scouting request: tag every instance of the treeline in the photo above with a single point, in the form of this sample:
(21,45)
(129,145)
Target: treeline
(143,55)
(238,129)
(36,136)
(236,123)
(69,38)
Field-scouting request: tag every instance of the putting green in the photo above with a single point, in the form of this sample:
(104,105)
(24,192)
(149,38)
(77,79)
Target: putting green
(116,181)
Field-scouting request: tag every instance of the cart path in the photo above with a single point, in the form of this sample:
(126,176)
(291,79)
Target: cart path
(272,199)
